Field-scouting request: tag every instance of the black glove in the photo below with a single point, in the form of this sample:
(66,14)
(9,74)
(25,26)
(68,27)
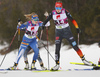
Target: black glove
(19,20)
(78,30)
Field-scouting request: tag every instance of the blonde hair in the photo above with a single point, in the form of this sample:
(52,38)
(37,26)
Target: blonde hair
(29,16)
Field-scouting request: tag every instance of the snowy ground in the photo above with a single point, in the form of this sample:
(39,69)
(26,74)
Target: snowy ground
(92,53)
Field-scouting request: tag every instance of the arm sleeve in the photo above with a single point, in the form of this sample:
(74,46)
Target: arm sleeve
(23,25)
(72,20)
(48,18)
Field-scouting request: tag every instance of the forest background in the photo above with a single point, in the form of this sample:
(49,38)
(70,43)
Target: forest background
(85,12)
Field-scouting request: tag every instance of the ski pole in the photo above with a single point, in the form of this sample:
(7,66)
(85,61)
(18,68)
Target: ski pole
(18,38)
(45,48)
(19,21)
(78,39)
(47,45)
(46,14)
(41,34)
(9,47)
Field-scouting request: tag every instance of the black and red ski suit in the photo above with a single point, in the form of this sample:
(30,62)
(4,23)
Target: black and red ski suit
(63,31)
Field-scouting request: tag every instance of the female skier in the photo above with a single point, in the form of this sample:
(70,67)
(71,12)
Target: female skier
(29,38)
(60,17)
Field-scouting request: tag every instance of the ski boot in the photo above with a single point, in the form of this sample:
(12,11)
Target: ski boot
(13,67)
(97,67)
(87,62)
(33,65)
(26,65)
(42,67)
(55,68)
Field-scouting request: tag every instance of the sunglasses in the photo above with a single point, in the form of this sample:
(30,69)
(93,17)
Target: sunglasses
(58,8)
(36,19)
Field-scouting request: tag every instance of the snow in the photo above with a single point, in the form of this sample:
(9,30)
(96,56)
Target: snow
(91,52)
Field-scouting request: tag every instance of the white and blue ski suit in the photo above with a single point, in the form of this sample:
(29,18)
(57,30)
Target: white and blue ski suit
(29,39)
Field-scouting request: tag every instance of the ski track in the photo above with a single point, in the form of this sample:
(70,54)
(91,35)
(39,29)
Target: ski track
(92,53)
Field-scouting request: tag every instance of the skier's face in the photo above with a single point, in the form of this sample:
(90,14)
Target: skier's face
(58,9)
(35,21)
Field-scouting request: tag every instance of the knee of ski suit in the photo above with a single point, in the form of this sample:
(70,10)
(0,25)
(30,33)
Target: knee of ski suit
(57,40)
(73,43)
(34,46)
(26,52)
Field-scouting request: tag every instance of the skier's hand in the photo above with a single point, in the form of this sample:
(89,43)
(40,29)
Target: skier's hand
(46,14)
(78,30)
(19,23)
(19,20)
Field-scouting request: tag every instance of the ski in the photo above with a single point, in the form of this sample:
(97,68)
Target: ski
(83,64)
(20,70)
(46,71)
(36,70)
(79,69)
(49,70)
(3,72)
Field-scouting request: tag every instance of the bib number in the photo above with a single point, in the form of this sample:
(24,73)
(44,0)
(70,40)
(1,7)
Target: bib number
(58,22)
